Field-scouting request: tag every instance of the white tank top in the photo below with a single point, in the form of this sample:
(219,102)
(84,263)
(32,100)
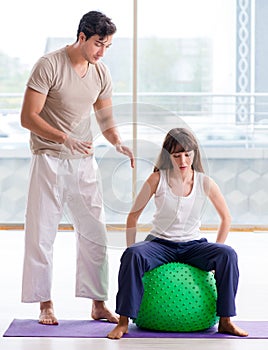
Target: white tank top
(178,218)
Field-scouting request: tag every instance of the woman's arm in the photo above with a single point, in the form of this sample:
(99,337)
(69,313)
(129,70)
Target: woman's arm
(145,194)
(216,197)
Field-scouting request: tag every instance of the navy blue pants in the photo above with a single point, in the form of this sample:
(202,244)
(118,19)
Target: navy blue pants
(153,252)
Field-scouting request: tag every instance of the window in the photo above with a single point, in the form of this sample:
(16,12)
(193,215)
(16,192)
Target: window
(193,65)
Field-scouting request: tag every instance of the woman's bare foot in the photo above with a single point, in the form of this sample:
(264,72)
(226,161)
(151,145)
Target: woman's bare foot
(228,327)
(47,316)
(100,311)
(120,329)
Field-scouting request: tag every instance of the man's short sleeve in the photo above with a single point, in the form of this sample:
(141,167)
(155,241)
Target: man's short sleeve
(41,76)
(106,81)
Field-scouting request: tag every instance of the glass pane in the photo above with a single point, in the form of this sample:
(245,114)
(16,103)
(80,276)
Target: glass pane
(186,51)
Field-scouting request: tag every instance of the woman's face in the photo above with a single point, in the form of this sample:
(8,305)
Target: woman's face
(182,160)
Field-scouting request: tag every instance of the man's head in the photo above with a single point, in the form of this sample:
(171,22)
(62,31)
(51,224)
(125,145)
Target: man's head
(96,23)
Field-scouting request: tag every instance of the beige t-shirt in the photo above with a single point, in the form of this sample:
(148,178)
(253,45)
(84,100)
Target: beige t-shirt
(69,99)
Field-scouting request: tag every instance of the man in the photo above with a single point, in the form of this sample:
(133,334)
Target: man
(63,87)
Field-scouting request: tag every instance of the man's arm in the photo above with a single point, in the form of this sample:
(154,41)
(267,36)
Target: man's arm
(104,116)
(33,104)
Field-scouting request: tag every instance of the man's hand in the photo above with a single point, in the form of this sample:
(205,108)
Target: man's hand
(83,147)
(127,151)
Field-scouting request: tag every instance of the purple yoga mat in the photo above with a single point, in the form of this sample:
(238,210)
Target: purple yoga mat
(99,329)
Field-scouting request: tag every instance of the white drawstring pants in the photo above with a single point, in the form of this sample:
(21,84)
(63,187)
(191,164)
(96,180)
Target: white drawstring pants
(54,184)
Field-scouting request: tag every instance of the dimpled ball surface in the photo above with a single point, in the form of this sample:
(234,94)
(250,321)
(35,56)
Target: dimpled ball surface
(178,298)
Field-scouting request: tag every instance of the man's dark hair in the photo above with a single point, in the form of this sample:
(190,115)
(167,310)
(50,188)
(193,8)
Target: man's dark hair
(96,23)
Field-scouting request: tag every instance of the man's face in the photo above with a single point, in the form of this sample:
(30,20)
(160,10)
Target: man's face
(94,48)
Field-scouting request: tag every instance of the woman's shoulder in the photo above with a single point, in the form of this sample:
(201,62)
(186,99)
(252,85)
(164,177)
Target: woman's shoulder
(206,181)
(154,177)
(201,176)
(153,180)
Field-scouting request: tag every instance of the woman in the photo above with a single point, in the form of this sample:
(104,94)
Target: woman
(180,189)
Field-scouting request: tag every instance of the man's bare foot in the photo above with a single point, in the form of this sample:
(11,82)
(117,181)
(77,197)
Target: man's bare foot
(100,311)
(47,316)
(120,329)
(228,327)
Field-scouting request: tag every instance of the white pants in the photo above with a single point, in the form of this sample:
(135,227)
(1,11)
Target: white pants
(55,183)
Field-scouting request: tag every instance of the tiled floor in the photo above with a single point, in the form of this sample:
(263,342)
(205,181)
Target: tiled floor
(252,302)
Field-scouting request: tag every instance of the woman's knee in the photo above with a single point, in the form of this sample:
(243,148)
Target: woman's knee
(133,252)
(228,253)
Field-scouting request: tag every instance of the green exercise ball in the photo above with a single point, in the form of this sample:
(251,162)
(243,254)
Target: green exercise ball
(178,298)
